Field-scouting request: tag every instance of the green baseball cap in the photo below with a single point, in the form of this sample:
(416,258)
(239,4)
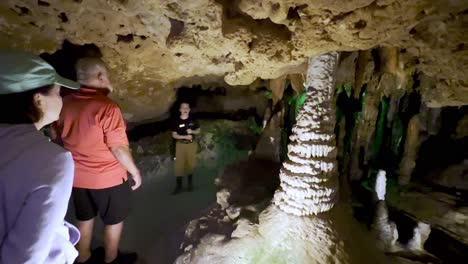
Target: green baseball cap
(22,71)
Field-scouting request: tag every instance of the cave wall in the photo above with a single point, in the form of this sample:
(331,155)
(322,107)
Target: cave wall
(155,46)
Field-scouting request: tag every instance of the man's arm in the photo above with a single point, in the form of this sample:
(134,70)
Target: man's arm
(124,156)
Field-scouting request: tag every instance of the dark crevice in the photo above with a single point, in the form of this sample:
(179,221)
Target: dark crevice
(64,59)
(293,12)
(360,24)
(137,46)
(464,12)
(177,28)
(63,17)
(250,45)
(275,6)
(238,66)
(340,16)
(22,10)
(78,1)
(42,3)
(125,38)
(460,47)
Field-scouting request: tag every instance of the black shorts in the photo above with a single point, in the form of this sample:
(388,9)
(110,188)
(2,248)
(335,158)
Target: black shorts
(113,204)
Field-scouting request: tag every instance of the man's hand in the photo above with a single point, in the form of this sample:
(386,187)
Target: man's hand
(124,156)
(189,137)
(189,131)
(137,179)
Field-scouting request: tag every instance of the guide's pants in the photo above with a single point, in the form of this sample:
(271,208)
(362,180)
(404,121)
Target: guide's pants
(185,158)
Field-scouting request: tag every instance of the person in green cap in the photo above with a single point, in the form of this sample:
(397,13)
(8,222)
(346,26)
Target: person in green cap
(36,175)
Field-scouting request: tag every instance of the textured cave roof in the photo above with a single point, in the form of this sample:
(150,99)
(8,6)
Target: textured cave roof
(154,46)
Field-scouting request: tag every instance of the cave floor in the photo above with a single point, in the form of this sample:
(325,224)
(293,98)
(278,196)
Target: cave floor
(155,227)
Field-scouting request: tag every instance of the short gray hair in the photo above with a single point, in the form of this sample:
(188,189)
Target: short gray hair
(87,68)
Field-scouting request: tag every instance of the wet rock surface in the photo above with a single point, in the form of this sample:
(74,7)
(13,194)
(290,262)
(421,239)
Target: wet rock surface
(446,213)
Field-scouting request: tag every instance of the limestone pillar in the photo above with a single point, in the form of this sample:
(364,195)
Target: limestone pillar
(308,176)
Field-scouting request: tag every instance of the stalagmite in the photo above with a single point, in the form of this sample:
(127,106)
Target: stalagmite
(411,151)
(420,235)
(386,230)
(308,176)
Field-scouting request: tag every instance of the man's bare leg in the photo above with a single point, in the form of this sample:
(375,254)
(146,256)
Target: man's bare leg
(84,245)
(112,235)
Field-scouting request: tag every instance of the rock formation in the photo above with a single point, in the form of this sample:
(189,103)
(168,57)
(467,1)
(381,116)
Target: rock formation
(155,46)
(408,163)
(309,175)
(301,226)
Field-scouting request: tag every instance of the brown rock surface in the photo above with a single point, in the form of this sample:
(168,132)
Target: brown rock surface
(153,46)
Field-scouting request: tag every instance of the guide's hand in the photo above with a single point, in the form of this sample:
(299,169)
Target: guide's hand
(189,137)
(136,180)
(189,131)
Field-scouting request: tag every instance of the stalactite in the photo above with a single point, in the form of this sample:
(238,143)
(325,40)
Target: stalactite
(308,176)
(408,162)
(389,59)
(268,146)
(364,69)
(297,82)
(277,87)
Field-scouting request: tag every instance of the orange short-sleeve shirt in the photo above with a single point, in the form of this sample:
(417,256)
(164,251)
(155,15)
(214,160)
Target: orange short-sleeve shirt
(89,125)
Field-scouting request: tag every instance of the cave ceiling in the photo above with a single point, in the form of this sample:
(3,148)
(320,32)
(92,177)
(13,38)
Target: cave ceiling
(154,46)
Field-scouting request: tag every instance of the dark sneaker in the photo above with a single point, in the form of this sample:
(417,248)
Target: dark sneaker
(125,258)
(97,257)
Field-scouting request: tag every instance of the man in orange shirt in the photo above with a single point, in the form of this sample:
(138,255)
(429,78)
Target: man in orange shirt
(92,128)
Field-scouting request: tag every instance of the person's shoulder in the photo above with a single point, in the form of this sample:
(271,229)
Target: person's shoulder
(57,159)
(51,150)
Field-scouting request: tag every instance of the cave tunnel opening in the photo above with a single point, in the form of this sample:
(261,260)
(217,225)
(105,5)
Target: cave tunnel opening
(64,59)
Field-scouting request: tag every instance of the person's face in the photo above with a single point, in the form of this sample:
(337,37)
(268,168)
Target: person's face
(50,104)
(184,109)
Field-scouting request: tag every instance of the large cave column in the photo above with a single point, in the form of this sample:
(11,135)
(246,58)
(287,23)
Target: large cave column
(309,182)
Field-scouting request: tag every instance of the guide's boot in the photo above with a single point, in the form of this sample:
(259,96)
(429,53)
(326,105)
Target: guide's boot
(190,183)
(178,187)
